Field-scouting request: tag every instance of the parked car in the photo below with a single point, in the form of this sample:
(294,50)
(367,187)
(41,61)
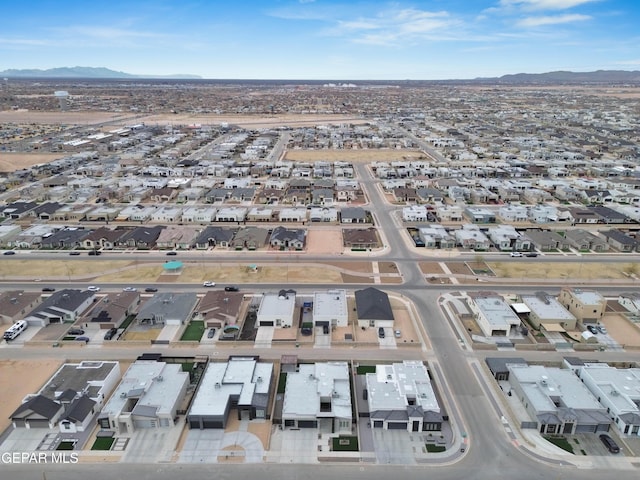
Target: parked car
(82,339)
(212,332)
(74,253)
(209,284)
(611,445)
(592,329)
(381,332)
(231,289)
(516,254)
(93,288)
(48,289)
(325,329)
(129,289)
(602,329)
(75,331)
(532,254)
(110,333)
(306,331)
(172,253)
(397,333)
(9,252)
(150,289)
(95,252)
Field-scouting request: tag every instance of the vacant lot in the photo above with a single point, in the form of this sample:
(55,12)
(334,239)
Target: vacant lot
(10,162)
(535,269)
(354,155)
(66,269)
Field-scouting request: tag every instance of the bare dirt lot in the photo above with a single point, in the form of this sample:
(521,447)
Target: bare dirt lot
(621,330)
(32,375)
(354,155)
(10,162)
(325,241)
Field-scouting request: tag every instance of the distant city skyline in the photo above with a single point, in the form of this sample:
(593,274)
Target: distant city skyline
(324,39)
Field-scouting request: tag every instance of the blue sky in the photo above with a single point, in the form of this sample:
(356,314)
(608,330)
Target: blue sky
(323,39)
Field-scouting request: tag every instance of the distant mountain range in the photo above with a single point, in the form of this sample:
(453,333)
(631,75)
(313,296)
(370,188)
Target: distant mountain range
(550,78)
(82,72)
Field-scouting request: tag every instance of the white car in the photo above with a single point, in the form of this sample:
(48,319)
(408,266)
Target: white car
(209,284)
(516,254)
(129,289)
(93,288)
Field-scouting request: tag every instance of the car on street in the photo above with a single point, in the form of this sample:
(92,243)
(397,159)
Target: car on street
(592,329)
(150,289)
(9,252)
(209,284)
(48,289)
(516,254)
(75,331)
(95,252)
(93,288)
(74,253)
(129,289)
(212,332)
(82,339)
(532,254)
(231,289)
(381,332)
(611,445)
(602,329)
(110,333)
(172,253)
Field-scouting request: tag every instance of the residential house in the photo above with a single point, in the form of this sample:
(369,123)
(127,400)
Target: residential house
(18,210)
(45,211)
(414,213)
(493,314)
(14,304)
(63,306)
(167,214)
(514,213)
(231,214)
(277,309)
(585,241)
(220,237)
(140,237)
(588,306)
(373,308)
(111,310)
(507,238)
(322,196)
(323,214)
(318,395)
(609,215)
(546,241)
(287,238)
(449,213)
(547,313)
(292,215)
(177,238)
(630,301)
(470,237)
(201,215)
(69,237)
(103,237)
(436,236)
(620,241)
(353,215)
(167,308)
(400,396)
(243,384)
(480,215)
(148,396)
(330,308)
(219,308)
(251,238)
(360,238)
(261,214)
(8,233)
(163,195)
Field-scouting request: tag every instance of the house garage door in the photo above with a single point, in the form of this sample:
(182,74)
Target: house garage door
(378,424)
(212,424)
(194,423)
(397,425)
(586,429)
(265,323)
(307,423)
(39,423)
(144,423)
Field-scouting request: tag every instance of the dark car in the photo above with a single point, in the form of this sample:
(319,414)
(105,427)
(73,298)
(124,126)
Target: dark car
(95,252)
(306,331)
(82,339)
(381,332)
(325,329)
(48,289)
(172,253)
(230,289)
(150,289)
(75,331)
(74,253)
(532,254)
(212,332)
(110,333)
(611,445)
(9,252)
(592,329)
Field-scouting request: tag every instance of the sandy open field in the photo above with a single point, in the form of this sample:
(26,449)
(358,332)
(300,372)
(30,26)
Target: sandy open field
(10,162)
(353,155)
(58,117)
(32,375)
(540,269)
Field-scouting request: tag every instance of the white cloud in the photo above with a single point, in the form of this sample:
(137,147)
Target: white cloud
(544,4)
(552,20)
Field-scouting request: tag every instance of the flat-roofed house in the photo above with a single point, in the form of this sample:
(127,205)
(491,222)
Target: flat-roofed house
(277,309)
(318,395)
(242,383)
(400,396)
(588,306)
(493,315)
(548,313)
(330,308)
(149,396)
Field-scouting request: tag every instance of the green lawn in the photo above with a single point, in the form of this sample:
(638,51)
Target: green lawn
(345,444)
(561,442)
(127,322)
(362,369)
(432,448)
(194,331)
(103,443)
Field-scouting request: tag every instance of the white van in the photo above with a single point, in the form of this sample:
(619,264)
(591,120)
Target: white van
(15,330)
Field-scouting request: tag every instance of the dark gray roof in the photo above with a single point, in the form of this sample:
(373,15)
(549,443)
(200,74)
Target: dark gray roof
(39,405)
(619,237)
(499,365)
(49,207)
(283,234)
(146,235)
(68,395)
(373,304)
(145,411)
(67,299)
(219,234)
(353,212)
(79,409)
